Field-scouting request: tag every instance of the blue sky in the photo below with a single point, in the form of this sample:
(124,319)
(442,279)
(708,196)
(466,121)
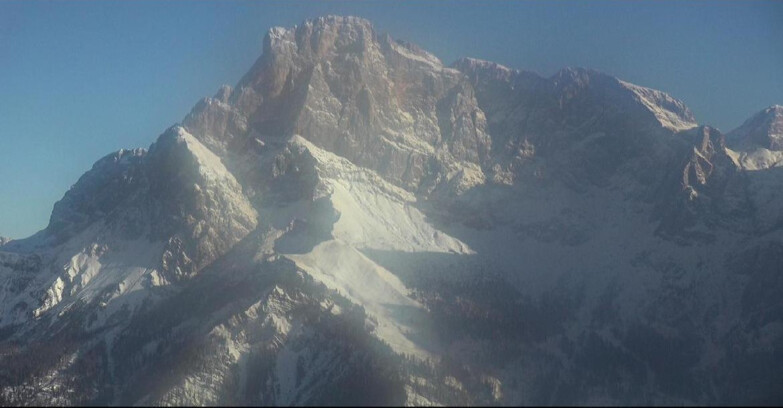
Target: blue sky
(81,79)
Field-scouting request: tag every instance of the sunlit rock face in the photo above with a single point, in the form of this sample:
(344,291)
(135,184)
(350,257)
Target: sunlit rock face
(382,104)
(355,223)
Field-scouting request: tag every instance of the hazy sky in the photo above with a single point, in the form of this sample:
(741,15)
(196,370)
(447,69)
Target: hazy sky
(79,80)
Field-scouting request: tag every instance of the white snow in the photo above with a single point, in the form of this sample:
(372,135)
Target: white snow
(346,270)
(53,296)
(653,99)
(479,63)
(425,57)
(373,215)
(756,158)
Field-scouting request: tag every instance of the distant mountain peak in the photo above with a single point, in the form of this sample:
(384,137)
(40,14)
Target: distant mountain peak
(474,64)
(764,129)
(671,112)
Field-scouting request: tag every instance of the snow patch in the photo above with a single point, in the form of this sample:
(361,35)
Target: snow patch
(344,269)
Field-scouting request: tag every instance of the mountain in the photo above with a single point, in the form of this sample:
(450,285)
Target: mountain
(356,223)
(765,129)
(759,141)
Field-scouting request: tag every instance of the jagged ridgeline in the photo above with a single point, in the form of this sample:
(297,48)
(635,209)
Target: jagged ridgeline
(355,223)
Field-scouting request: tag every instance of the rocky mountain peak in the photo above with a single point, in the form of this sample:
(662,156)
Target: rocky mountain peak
(331,35)
(391,106)
(670,112)
(383,104)
(178,193)
(576,75)
(323,37)
(485,69)
(355,224)
(108,184)
(764,129)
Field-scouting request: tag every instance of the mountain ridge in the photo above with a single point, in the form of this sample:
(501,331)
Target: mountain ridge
(355,223)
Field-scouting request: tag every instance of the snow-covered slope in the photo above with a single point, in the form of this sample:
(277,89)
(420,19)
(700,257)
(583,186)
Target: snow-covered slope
(372,214)
(759,141)
(670,112)
(764,129)
(356,223)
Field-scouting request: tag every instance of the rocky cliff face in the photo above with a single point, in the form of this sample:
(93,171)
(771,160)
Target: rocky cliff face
(382,104)
(356,223)
(178,192)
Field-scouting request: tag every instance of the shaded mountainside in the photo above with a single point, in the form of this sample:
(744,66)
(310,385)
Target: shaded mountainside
(355,223)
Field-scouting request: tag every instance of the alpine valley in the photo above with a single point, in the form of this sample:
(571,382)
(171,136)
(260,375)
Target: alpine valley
(356,223)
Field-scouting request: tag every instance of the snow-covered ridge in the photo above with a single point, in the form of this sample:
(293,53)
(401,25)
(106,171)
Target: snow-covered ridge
(757,159)
(764,129)
(485,68)
(377,214)
(210,166)
(475,63)
(373,214)
(758,143)
(670,112)
(416,54)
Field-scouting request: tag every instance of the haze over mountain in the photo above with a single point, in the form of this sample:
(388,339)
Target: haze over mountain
(355,222)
